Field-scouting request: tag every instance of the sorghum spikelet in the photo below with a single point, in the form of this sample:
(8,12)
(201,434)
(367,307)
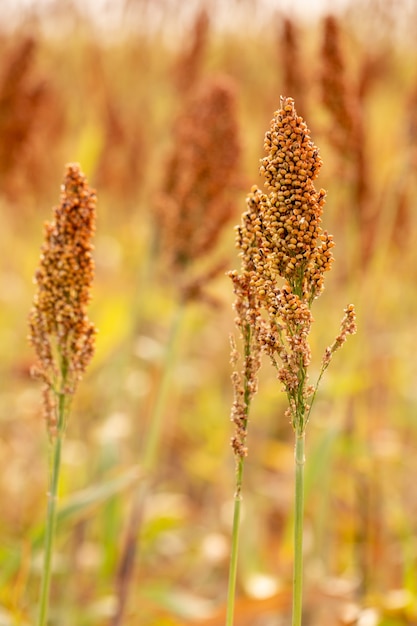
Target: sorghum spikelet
(60,332)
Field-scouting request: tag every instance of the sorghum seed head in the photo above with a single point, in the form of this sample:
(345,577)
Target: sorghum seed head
(60,332)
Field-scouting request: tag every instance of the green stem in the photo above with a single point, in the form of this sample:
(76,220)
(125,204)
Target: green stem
(298,529)
(54,473)
(231,592)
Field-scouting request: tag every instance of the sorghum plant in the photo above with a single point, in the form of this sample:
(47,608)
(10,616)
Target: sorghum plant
(60,332)
(285,254)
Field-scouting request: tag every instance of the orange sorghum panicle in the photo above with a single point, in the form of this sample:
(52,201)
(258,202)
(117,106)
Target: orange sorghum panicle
(60,331)
(294,246)
(285,255)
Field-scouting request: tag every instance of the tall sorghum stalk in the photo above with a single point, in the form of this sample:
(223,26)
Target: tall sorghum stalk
(284,256)
(194,203)
(60,332)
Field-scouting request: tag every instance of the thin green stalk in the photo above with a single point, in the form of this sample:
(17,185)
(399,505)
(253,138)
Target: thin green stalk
(298,529)
(231,592)
(51,514)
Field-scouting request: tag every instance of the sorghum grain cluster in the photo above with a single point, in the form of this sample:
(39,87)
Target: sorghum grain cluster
(285,255)
(60,331)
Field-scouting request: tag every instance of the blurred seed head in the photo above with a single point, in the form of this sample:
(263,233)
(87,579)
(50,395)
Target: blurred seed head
(196,196)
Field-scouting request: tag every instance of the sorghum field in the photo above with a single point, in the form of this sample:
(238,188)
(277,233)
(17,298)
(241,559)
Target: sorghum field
(164,105)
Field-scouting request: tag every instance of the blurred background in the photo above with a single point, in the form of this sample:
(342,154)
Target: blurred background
(104,83)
